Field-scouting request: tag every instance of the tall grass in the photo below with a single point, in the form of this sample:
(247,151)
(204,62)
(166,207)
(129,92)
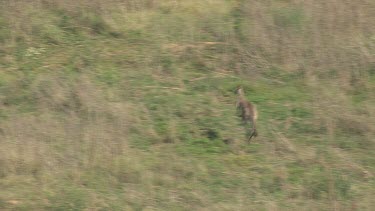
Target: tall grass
(129,105)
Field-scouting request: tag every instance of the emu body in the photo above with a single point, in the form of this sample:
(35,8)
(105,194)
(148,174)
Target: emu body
(248,112)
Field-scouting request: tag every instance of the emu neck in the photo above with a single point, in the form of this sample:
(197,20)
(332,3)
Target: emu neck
(241,95)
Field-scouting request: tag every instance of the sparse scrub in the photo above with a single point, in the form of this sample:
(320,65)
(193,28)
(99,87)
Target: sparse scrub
(130,105)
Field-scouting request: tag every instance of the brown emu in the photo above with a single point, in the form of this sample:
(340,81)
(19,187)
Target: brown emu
(248,111)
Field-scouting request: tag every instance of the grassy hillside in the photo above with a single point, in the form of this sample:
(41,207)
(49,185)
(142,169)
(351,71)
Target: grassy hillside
(129,105)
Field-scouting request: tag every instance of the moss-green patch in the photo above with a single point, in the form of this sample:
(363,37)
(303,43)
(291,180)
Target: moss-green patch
(109,76)
(4,30)
(202,147)
(68,198)
(317,182)
(289,17)
(296,172)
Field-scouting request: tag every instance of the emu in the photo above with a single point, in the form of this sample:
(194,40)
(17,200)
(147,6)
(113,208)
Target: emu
(248,111)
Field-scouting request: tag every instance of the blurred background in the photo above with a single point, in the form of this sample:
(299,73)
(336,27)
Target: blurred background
(130,104)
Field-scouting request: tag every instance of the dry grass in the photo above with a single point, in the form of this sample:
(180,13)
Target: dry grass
(124,105)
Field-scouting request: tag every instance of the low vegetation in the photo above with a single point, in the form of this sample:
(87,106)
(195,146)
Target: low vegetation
(130,105)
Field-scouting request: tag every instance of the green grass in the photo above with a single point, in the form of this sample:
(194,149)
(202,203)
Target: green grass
(132,107)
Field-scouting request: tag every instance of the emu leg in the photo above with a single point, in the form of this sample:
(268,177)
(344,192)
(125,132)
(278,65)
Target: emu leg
(252,134)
